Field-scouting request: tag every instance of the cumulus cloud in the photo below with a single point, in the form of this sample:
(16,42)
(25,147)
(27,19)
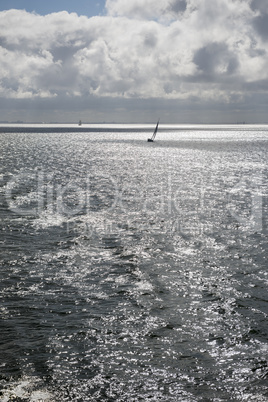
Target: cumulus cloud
(169,49)
(216,60)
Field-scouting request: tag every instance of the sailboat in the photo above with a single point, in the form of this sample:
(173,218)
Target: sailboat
(154,133)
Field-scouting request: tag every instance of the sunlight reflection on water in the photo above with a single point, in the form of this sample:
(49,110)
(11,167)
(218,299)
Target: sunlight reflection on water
(139,270)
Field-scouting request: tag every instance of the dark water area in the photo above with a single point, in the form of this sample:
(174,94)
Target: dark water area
(134,271)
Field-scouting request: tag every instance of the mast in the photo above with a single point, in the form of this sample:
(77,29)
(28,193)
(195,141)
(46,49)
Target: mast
(155,130)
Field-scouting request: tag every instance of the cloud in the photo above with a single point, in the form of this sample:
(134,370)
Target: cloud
(142,49)
(259,5)
(146,9)
(216,60)
(261,25)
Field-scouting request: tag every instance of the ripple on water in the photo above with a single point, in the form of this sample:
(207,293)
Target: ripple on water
(154,289)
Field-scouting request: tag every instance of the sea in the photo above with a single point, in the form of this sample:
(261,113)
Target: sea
(133,270)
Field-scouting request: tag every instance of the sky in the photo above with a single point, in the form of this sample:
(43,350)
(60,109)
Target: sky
(133,61)
(89,8)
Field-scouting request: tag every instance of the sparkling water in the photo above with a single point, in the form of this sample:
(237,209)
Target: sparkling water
(134,271)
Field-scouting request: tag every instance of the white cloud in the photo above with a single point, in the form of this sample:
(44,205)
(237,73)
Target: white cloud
(169,49)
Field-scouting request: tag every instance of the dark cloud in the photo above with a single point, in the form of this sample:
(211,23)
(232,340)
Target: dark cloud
(178,6)
(257,86)
(260,23)
(259,5)
(215,59)
(150,39)
(94,109)
(64,53)
(253,52)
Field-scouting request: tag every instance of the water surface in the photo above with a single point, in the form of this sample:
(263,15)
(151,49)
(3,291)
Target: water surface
(134,271)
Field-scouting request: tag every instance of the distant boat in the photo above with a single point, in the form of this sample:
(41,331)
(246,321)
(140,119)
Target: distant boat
(154,133)
(80,123)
